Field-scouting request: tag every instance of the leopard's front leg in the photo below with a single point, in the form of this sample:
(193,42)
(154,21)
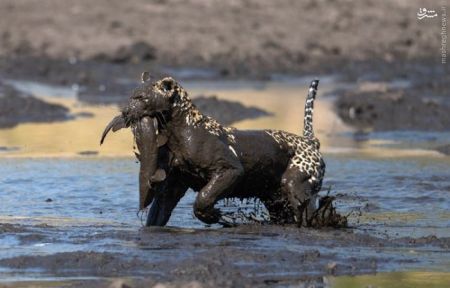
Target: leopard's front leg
(220,184)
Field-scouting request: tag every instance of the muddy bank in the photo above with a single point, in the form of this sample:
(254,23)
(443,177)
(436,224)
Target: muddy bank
(244,256)
(17,107)
(421,105)
(227,112)
(393,110)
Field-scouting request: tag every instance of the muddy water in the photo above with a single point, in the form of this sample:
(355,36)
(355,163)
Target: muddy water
(66,217)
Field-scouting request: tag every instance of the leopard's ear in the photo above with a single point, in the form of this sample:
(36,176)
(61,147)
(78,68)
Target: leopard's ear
(168,84)
(145,77)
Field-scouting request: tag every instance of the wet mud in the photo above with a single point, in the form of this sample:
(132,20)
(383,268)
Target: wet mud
(244,256)
(421,105)
(227,112)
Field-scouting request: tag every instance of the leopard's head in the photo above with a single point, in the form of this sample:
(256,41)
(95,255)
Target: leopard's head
(154,98)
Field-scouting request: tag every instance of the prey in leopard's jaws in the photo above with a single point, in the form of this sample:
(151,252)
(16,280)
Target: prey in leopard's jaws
(181,148)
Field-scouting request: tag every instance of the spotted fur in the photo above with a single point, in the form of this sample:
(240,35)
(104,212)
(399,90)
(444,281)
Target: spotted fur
(307,157)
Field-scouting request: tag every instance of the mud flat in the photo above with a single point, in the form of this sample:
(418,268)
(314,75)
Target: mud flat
(245,38)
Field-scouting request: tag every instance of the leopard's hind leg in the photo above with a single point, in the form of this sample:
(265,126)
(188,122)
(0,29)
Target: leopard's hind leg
(298,189)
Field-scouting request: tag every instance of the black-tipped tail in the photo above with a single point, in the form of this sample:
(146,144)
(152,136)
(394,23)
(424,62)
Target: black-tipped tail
(309,109)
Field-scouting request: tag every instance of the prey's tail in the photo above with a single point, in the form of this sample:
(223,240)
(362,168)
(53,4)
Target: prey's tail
(309,109)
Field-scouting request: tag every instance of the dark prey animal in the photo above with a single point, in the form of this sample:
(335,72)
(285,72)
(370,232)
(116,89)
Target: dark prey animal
(180,148)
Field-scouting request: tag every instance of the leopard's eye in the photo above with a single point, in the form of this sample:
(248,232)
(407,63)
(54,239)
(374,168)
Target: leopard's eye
(138,96)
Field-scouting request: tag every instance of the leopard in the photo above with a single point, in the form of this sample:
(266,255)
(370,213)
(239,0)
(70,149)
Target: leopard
(181,148)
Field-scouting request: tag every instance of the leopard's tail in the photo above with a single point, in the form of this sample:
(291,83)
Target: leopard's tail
(309,109)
